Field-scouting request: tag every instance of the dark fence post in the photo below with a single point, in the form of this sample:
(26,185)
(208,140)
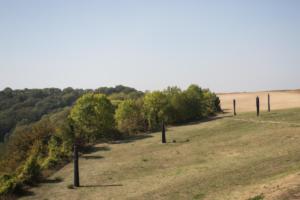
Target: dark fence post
(75,158)
(234,108)
(76,168)
(163,134)
(269,103)
(257,106)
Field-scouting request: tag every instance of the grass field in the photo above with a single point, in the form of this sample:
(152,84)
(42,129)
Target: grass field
(224,158)
(246,101)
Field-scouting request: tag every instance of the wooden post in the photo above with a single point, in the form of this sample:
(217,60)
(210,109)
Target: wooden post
(76,168)
(234,109)
(269,103)
(257,106)
(163,134)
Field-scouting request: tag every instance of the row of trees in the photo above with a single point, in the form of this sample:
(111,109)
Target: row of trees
(94,116)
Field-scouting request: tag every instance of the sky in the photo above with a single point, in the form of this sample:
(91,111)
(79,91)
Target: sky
(224,45)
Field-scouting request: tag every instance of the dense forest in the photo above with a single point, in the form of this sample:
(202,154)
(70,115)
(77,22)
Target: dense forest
(38,127)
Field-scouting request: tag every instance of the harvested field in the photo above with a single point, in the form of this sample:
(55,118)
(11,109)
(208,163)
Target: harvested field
(246,101)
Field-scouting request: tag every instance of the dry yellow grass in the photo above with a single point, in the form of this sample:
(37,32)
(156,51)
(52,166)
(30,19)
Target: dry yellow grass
(246,101)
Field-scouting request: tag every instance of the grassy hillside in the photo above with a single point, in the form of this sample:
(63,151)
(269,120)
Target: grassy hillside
(226,158)
(33,150)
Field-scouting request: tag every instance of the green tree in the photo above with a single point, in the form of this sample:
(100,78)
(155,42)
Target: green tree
(155,107)
(212,103)
(194,103)
(129,117)
(174,111)
(93,117)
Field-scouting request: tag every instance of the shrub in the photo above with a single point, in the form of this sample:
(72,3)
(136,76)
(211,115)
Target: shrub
(30,172)
(20,144)
(54,153)
(258,197)
(8,183)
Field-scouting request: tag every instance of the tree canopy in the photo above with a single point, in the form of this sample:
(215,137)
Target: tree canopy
(93,117)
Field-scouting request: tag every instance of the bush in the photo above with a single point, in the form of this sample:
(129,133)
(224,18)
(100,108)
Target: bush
(8,183)
(32,149)
(258,197)
(30,172)
(54,153)
(21,143)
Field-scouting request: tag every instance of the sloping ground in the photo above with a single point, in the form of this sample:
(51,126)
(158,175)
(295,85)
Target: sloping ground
(225,158)
(246,102)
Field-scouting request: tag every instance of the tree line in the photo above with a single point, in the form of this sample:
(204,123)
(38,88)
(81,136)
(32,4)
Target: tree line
(22,107)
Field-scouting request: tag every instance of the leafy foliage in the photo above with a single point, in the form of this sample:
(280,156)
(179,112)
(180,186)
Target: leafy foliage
(176,106)
(120,92)
(129,117)
(20,107)
(93,117)
(155,104)
(258,197)
(22,141)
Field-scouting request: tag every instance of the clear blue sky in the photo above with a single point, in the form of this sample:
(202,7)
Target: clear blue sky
(225,45)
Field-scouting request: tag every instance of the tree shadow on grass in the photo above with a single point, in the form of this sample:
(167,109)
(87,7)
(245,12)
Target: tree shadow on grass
(108,185)
(208,119)
(88,157)
(55,180)
(24,192)
(132,139)
(226,111)
(93,149)
(213,118)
